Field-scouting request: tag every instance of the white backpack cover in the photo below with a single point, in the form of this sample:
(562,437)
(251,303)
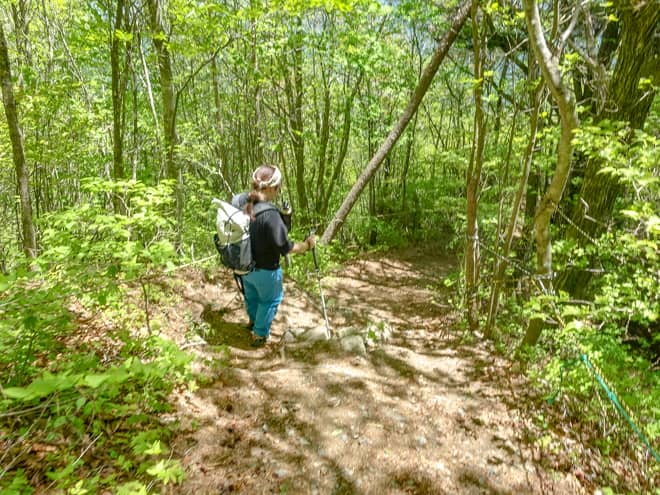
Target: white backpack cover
(233,237)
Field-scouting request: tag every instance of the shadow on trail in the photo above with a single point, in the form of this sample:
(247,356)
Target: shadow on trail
(410,416)
(413,481)
(284,445)
(221,332)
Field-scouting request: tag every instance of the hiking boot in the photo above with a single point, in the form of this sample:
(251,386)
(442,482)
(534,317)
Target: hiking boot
(259,341)
(250,326)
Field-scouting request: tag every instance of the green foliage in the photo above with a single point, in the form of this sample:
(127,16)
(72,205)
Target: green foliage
(235,72)
(116,244)
(114,406)
(89,256)
(167,471)
(17,484)
(199,216)
(618,328)
(58,383)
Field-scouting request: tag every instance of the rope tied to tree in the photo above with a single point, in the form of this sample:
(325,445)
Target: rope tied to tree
(620,406)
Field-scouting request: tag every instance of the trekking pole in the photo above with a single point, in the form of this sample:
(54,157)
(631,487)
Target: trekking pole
(318,277)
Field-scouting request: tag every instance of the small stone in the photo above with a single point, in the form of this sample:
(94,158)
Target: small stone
(354,344)
(281,473)
(316,334)
(345,332)
(296,332)
(478,421)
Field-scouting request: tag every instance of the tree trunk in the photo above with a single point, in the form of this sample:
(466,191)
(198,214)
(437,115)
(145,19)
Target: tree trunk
(29,240)
(259,128)
(501,263)
(395,133)
(472,255)
(323,137)
(19,14)
(566,106)
(627,101)
(118,93)
(166,87)
(297,121)
(172,169)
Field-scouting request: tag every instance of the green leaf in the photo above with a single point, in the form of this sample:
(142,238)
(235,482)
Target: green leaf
(30,322)
(132,488)
(167,471)
(155,449)
(19,393)
(95,380)
(52,383)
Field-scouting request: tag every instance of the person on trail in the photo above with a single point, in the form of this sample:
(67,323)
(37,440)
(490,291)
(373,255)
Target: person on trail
(269,239)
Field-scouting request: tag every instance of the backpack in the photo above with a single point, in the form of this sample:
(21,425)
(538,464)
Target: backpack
(232,240)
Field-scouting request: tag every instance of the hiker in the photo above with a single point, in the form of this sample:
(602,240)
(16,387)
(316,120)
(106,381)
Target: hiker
(269,241)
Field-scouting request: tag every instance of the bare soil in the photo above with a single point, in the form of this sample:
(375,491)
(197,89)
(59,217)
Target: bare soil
(426,412)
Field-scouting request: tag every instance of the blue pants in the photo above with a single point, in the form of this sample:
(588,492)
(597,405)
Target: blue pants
(263,295)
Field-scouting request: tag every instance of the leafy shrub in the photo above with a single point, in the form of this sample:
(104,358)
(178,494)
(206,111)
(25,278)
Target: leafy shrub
(79,378)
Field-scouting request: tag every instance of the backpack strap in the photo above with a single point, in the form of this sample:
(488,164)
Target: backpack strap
(263,206)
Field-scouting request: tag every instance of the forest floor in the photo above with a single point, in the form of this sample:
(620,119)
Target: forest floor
(425,412)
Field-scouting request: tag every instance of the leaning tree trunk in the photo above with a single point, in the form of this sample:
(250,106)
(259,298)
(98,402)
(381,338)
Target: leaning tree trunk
(472,256)
(566,106)
(22,174)
(391,139)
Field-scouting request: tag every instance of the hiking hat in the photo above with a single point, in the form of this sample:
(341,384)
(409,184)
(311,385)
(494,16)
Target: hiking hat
(274,181)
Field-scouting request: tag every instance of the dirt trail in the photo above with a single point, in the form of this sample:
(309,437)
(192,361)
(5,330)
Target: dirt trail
(419,414)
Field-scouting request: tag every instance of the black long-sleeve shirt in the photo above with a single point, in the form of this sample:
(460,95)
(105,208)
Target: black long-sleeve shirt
(269,239)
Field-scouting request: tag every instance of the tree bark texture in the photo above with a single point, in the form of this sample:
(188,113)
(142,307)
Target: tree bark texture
(568,117)
(472,255)
(637,57)
(168,98)
(166,87)
(29,240)
(118,93)
(422,86)
(296,114)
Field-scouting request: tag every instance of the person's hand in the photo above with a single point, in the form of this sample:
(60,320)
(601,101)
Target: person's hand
(311,242)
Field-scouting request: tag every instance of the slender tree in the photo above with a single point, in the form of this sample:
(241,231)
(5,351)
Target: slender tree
(168,100)
(292,67)
(566,106)
(472,256)
(29,240)
(501,263)
(119,81)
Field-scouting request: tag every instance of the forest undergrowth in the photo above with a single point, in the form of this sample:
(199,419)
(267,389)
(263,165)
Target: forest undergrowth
(97,407)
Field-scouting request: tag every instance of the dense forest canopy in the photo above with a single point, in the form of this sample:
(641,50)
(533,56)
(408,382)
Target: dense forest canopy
(522,135)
